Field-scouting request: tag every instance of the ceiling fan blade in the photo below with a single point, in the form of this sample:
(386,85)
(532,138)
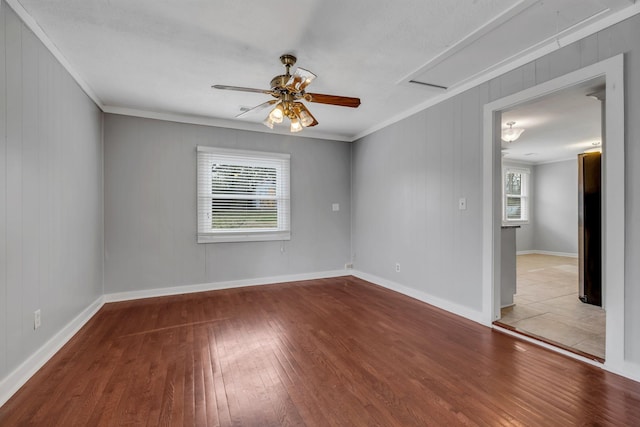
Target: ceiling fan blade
(343,101)
(241,89)
(258,107)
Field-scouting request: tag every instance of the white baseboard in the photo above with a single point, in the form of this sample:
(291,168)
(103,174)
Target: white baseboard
(526,252)
(203,287)
(16,379)
(625,369)
(565,254)
(19,376)
(449,306)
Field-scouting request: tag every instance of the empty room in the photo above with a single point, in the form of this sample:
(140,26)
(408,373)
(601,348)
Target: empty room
(318,213)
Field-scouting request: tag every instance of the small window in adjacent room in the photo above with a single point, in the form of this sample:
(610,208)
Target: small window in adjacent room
(515,199)
(243,196)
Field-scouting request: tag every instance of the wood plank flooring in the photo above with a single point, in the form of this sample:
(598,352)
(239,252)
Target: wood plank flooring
(330,352)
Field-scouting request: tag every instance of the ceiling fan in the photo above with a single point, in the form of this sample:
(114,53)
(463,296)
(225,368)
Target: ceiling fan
(288,91)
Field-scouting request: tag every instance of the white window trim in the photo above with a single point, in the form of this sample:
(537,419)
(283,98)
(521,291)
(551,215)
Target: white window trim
(526,189)
(282,196)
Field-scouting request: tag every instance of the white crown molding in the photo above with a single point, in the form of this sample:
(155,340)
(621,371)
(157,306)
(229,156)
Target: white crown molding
(507,65)
(31,23)
(19,376)
(223,123)
(516,61)
(566,159)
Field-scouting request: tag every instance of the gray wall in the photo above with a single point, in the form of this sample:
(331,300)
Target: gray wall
(407,179)
(150,207)
(525,234)
(556,207)
(50,194)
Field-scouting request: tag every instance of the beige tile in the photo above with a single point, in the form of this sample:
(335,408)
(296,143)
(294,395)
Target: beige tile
(550,328)
(591,325)
(517,312)
(572,310)
(523,299)
(547,304)
(572,269)
(595,346)
(545,291)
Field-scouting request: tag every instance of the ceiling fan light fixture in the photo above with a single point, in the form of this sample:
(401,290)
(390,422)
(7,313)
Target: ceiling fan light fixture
(296,126)
(288,89)
(305,118)
(268,122)
(300,79)
(511,134)
(277,114)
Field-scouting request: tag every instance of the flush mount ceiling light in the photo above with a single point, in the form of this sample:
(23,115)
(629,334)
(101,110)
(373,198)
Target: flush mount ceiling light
(511,134)
(597,148)
(289,91)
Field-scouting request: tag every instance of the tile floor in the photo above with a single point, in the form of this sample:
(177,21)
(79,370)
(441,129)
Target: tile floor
(547,304)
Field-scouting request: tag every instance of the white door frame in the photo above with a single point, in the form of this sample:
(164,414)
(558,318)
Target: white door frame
(613,214)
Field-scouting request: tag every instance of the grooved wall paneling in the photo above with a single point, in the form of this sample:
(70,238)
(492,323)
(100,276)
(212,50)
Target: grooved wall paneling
(50,195)
(443,256)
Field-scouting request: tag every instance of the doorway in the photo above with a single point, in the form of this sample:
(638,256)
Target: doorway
(541,199)
(613,197)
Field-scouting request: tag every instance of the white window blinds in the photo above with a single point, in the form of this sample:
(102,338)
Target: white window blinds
(242,195)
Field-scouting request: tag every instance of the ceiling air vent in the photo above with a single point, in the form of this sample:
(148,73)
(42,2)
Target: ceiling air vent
(428,84)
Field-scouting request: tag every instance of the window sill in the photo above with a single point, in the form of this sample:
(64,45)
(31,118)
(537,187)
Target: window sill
(243,237)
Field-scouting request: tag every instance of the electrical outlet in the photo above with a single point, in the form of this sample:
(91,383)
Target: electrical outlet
(335,207)
(397,267)
(462,203)
(36,319)
(348,265)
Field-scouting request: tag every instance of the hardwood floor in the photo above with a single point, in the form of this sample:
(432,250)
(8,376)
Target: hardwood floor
(320,353)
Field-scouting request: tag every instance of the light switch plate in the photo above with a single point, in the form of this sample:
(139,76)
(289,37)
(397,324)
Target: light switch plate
(335,207)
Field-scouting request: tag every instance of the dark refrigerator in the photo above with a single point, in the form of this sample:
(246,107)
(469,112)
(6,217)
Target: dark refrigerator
(590,228)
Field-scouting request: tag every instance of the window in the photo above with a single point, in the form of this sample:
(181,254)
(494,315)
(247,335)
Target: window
(242,195)
(515,195)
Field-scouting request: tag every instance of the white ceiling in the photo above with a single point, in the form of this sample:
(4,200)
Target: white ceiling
(159,58)
(557,126)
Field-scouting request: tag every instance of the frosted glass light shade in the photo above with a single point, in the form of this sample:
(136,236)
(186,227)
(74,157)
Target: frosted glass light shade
(305,118)
(268,122)
(511,134)
(295,125)
(277,114)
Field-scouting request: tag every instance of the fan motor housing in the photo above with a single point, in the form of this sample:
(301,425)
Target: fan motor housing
(279,82)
